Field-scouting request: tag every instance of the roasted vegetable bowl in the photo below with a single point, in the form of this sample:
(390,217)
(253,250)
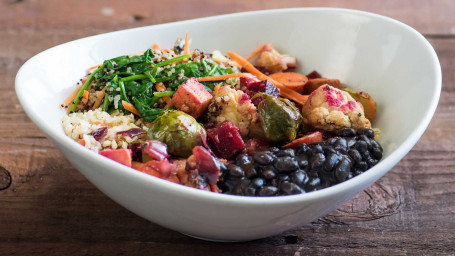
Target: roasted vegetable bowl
(218,123)
(364,51)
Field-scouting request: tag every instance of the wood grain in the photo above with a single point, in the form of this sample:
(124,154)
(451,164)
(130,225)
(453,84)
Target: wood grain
(48,208)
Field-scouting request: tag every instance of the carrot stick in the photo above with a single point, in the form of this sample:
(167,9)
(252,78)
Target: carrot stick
(186,48)
(284,91)
(130,108)
(156,46)
(99,98)
(256,52)
(223,77)
(70,98)
(85,94)
(160,87)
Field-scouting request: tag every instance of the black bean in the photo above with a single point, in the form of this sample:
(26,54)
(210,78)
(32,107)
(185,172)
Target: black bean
(342,170)
(347,132)
(361,146)
(341,144)
(316,161)
(366,139)
(290,188)
(286,152)
(332,141)
(375,144)
(316,148)
(377,153)
(274,150)
(241,186)
(357,172)
(286,164)
(366,155)
(301,149)
(330,162)
(355,155)
(268,174)
(325,184)
(362,166)
(267,191)
(282,178)
(313,184)
(300,178)
(371,162)
(302,160)
(249,170)
(243,159)
(257,183)
(235,171)
(351,142)
(329,150)
(365,131)
(249,191)
(263,157)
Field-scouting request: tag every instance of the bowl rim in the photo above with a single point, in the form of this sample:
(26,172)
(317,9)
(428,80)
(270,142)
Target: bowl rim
(381,168)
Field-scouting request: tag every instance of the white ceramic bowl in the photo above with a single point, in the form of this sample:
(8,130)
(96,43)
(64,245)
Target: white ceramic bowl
(382,56)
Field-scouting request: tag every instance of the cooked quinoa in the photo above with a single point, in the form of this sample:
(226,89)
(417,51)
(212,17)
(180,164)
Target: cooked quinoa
(79,125)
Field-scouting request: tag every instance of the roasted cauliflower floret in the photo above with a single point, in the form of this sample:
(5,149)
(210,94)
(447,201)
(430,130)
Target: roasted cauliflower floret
(274,61)
(331,109)
(234,106)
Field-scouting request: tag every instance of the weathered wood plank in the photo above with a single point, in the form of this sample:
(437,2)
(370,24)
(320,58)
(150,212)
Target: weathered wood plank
(428,17)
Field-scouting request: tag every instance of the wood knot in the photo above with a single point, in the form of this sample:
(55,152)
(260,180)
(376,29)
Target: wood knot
(374,203)
(5,178)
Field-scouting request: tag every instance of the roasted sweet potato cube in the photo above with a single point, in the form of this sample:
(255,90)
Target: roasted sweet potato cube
(192,98)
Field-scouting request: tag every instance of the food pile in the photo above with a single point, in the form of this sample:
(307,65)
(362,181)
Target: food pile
(221,124)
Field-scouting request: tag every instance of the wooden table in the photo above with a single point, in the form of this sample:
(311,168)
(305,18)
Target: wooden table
(51,209)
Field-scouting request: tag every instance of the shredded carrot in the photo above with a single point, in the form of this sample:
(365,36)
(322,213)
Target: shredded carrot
(99,98)
(156,46)
(256,52)
(217,87)
(95,67)
(223,77)
(160,87)
(70,98)
(85,94)
(284,91)
(82,142)
(186,48)
(169,104)
(130,108)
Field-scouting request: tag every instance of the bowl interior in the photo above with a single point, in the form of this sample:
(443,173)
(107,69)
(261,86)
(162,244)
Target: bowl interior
(387,59)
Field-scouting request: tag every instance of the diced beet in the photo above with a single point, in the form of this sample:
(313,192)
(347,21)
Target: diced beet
(156,149)
(136,148)
(123,156)
(245,82)
(225,140)
(262,86)
(133,132)
(314,75)
(99,133)
(207,165)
